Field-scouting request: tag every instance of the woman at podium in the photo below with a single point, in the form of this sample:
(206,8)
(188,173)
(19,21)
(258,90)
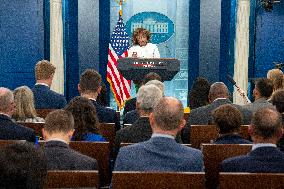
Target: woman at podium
(142,48)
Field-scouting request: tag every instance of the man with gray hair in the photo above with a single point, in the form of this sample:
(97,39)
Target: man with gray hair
(265,130)
(132,116)
(147,98)
(161,152)
(8,129)
(218,95)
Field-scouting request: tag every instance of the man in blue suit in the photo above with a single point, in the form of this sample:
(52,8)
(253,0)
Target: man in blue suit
(265,129)
(161,152)
(44,97)
(10,130)
(57,132)
(89,87)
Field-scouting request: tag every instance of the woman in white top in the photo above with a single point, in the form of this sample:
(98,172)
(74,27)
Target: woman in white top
(141,47)
(24,106)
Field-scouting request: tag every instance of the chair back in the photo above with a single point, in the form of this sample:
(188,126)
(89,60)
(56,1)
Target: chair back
(214,154)
(43,112)
(37,127)
(154,180)
(207,133)
(251,180)
(72,179)
(99,151)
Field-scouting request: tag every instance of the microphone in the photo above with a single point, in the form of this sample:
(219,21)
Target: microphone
(241,92)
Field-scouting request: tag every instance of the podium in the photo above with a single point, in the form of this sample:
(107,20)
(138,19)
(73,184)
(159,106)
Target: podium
(136,68)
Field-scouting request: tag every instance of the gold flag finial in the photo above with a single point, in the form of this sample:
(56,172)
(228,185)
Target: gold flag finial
(120,2)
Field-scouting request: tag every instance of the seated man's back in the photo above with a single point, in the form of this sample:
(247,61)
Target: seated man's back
(57,132)
(161,152)
(265,157)
(61,157)
(44,97)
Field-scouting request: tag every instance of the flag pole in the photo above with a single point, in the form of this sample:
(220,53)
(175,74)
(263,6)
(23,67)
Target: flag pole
(120,8)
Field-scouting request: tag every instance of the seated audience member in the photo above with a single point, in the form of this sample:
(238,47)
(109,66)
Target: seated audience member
(266,130)
(218,95)
(147,98)
(131,103)
(262,91)
(57,132)
(132,116)
(276,76)
(89,87)
(161,152)
(278,101)
(198,95)
(85,119)
(228,119)
(44,97)
(24,106)
(10,130)
(22,166)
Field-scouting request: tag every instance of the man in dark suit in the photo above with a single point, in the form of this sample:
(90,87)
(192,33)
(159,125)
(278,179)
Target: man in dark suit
(89,87)
(161,152)
(22,165)
(228,119)
(147,98)
(262,91)
(44,97)
(57,132)
(10,130)
(265,129)
(218,95)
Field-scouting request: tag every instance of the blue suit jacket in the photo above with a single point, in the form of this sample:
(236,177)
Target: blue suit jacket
(106,115)
(159,154)
(61,157)
(261,160)
(47,99)
(131,117)
(231,139)
(10,130)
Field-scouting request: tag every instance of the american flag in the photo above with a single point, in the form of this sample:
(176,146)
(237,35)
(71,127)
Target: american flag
(118,48)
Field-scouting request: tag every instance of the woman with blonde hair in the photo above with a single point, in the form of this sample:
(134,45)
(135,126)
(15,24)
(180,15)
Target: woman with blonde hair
(276,76)
(24,106)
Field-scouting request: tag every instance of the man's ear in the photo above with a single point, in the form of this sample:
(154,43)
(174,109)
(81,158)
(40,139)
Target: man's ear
(151,119)
(99,89)
(182,124)
(70,133)
(250,130)
(79,88)
(44,134)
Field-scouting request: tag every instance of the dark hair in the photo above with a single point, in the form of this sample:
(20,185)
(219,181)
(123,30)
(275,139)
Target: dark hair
(90,81)
(59,121)
(264,86)
(151,76)
(277,100)
(22,166)
(198,95)
(266,123)
(227,118)
(139,31)
(85,117)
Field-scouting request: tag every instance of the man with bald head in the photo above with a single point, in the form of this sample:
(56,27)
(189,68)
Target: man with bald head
(265,130)
(8,129)
(161,152)
(218,95)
